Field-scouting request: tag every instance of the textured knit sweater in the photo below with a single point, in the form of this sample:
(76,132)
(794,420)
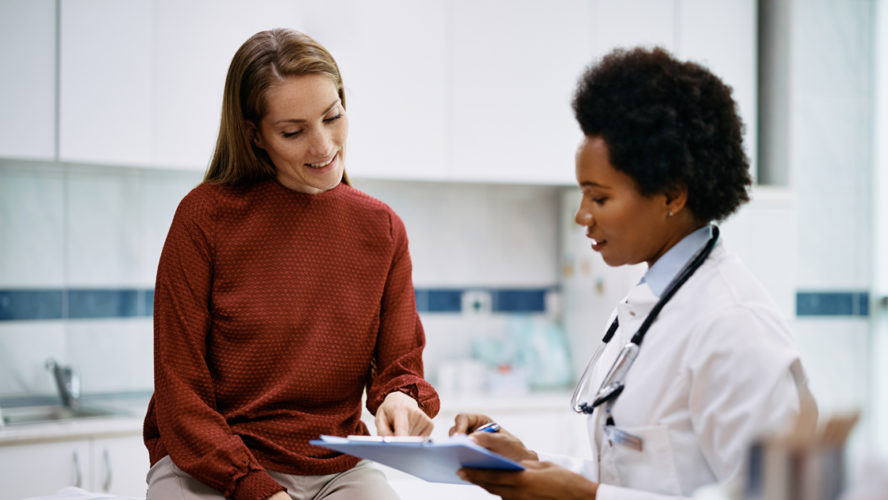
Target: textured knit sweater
(273,311)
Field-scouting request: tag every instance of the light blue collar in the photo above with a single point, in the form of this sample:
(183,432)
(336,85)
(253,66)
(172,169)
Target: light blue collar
(668,266)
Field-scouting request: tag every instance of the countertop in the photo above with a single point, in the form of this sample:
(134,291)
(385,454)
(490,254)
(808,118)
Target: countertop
(128,415)
(130,412)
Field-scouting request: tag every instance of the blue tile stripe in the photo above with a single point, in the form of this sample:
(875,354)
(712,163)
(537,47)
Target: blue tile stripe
(825,303)
(31,304)
(49,304)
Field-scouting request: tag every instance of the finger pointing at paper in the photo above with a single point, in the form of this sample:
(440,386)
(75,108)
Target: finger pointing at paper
(400,415)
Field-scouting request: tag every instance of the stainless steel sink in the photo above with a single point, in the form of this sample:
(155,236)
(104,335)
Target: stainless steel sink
(51,413)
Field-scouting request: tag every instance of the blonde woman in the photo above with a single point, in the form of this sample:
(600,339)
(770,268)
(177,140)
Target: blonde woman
(282,295)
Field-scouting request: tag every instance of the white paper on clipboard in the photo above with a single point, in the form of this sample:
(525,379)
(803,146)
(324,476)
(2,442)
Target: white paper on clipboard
(433,460)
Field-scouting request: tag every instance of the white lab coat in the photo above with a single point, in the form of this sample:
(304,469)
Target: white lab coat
(717,369)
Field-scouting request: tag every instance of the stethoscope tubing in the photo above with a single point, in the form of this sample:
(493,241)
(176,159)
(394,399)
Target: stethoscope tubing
(614,382)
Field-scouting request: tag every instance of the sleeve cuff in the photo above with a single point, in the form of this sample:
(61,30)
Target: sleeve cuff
(256,485)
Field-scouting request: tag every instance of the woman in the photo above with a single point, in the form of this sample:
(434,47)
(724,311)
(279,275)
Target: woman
(717,367)
(282,294)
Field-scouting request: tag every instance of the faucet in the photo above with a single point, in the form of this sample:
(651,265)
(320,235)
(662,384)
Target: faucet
(67,382)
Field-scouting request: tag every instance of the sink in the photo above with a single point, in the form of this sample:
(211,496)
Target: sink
(51,413)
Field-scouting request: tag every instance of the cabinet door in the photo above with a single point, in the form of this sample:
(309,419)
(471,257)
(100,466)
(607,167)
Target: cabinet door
(514,74)
(43,468)
(194,44)
(120,465)
(27,88)
(722,35)
(392,55)
(631,23)
(106,73)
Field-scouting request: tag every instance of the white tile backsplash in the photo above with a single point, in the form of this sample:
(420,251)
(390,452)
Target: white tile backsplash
(31,225)
(24,348)
(104,244)
(112,355)
(161,192)
(476,234)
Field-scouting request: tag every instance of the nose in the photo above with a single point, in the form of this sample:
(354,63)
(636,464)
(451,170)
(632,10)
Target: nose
(321,144)
(583,217)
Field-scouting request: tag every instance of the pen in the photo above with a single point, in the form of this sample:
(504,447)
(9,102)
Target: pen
(491,427)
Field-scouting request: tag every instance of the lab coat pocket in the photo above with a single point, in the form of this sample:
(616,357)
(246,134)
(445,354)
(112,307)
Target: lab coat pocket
(651,467)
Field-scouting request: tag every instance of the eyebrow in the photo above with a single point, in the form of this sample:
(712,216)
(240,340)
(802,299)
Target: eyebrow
(593,184)
(303,120)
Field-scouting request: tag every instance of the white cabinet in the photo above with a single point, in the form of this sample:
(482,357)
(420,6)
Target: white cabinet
(453,90)
(722,35)
(43,468)
(27,88)
(141,81)
(106,77)
(119,465)
(630,23)
(115,465)
(393,58)
(193,45)
(514,70)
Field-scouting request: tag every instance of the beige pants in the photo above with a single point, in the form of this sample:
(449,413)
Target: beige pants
(363,482)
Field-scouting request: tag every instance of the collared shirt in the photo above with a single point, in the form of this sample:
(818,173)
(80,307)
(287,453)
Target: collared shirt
(666,268)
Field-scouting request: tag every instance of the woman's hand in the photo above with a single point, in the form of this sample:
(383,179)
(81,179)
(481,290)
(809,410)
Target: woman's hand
(539,480)
(281,495)
(399,415)
(501,442)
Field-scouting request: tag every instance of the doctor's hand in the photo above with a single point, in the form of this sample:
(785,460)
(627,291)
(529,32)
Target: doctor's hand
(501,442)
(539,480)
(399,415)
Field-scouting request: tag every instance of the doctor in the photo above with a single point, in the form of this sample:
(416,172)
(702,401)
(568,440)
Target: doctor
(703,362)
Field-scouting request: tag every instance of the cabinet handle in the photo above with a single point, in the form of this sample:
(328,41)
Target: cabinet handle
(106,486)
(78,474)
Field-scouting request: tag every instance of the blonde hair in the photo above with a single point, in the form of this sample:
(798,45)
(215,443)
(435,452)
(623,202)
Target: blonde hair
(265,59)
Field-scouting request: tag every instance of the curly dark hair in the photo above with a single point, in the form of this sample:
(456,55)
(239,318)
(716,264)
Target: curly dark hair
(667,124)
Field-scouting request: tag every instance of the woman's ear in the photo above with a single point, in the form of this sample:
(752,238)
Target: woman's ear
(253,134)
(676,199)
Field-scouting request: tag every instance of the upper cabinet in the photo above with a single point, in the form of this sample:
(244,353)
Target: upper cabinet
(393,59)
(106,81)
(27,88)
(141,81)
(630,23)
(194,43)
(452,90)
(513,70)
(722,35)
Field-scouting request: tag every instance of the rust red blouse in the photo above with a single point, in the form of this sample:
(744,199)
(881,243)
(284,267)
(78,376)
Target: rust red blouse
(273,311)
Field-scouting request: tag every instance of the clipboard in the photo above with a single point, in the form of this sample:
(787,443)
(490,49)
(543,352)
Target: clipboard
(433,460)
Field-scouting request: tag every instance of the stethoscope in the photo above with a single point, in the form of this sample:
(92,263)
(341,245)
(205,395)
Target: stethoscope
(615,380)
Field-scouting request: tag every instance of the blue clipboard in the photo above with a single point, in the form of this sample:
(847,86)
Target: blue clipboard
(433,460)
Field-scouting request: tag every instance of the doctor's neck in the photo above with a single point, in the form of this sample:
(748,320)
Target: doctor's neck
(676,228)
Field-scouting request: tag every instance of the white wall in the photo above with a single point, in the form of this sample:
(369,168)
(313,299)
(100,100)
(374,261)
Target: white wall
(827,53)
(879,386)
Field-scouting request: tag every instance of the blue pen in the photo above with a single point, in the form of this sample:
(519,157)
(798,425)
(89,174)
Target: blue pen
(491,427)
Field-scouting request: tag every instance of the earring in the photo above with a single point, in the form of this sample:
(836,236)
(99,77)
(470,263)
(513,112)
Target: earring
(669,214)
